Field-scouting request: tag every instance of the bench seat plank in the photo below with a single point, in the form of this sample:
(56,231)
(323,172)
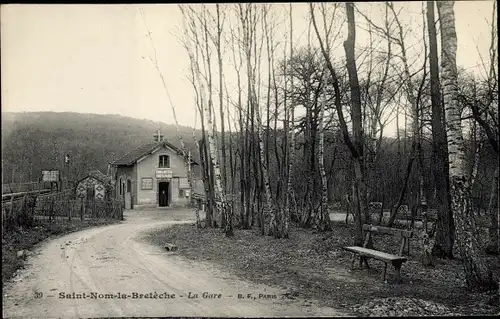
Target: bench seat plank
(375,254)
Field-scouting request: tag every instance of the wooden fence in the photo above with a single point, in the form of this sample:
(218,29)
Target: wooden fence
(24,187)
(33,209)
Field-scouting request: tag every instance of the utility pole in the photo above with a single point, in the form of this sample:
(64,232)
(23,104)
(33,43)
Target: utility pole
(66,171)
(190,178)
(189,164)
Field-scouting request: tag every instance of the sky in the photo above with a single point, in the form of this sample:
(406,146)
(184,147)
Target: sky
(95,58)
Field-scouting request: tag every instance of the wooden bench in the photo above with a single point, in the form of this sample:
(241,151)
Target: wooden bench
(367,250)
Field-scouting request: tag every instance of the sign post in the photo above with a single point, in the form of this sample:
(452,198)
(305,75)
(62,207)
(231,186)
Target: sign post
(66,171)
(51,176)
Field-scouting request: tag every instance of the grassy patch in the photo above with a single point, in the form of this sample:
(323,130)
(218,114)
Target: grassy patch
(313,265)
(25,239)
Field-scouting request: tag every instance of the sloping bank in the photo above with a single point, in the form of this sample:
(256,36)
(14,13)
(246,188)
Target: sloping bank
(16,245)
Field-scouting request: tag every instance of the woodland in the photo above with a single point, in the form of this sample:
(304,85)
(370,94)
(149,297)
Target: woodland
(310,130)
(303,131)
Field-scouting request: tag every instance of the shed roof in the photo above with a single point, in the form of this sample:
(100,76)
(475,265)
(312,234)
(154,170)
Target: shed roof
(131,157)
(101,176)
(97,174)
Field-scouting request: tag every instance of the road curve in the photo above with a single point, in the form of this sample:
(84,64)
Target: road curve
(112,266)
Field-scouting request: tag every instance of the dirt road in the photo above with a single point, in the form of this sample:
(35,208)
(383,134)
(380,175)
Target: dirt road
(102,272)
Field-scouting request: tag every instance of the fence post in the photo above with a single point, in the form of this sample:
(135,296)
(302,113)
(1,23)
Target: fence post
(33,210)
(81,208)
(23,211)
(11,206)
(47,206)
(52,208)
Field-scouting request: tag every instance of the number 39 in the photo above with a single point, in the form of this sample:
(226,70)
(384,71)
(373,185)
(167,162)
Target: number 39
(38,295)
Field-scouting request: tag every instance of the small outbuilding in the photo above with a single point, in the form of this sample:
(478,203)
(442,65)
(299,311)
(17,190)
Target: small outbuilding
(95,185)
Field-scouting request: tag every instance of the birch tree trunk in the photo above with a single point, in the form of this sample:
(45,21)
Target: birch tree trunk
(241,145)
(269,74)
(198,147)
(355,155)
(212,143)
(245,15)
(273,229)
(307,213)
(324,222)
(223,140)
(197,209)
(289,194)
(220,197)
(444,237)
(232,165)
(276,153)
(478,275)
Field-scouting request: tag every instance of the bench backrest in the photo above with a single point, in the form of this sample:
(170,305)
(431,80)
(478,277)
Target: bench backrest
(404,235)
(375,206)
(403,210)
(431,213)
(388,231)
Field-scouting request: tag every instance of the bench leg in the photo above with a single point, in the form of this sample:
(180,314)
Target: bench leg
(385,271)
(353,261)
(397,266)
(363,260)
(398,274)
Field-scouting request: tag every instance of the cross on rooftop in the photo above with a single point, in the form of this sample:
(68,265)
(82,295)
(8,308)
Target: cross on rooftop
(158,137)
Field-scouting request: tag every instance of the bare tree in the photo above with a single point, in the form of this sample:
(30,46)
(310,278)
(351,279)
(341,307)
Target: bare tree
(323,222)
(207,108)
(484,110)
(354,147)
(291,150)
(242,153)
(190,38)
(218,45)
(477,273)
(413,98)
(443,246)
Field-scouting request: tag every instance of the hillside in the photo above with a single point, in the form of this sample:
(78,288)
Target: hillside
(38,140)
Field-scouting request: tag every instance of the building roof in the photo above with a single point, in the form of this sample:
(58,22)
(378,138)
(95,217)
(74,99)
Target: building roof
(97,174)
(101,176)
(131,157)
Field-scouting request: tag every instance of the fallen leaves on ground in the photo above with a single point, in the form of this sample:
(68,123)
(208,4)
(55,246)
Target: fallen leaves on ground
(402,306)
(314,265)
